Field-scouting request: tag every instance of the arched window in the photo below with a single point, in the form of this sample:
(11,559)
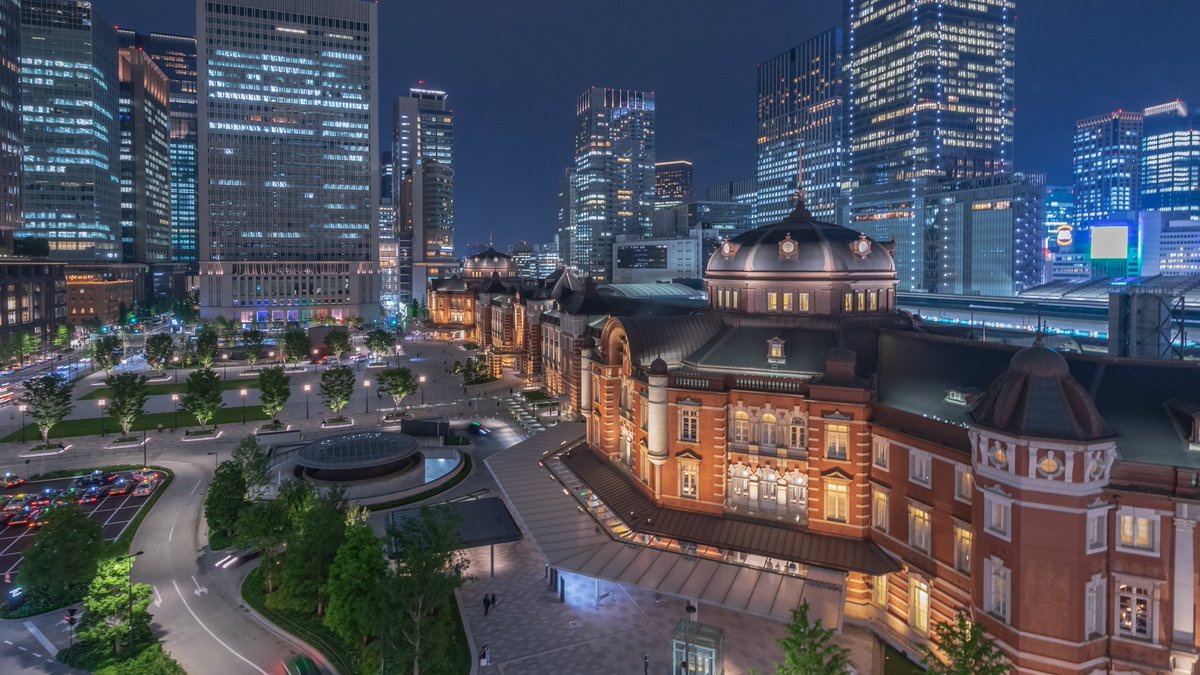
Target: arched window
(741,427)
(766,430)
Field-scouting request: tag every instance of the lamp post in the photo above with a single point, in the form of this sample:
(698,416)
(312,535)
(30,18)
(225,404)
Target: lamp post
(243,392)
(421,380)
(130,558)
(23,408)
(175,360)
(271,355)
(367,396)
(307,392)
(175,400)
(100,414)
(225,357)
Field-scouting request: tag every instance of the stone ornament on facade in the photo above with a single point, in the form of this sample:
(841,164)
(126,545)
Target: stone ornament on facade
(787,247)
(862,247)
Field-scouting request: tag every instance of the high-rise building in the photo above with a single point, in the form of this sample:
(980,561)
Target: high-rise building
(175,55)
(801,100)
(743,191)
(1107,165)
(566,230)
(69,91)
(11,182)
(930,99)
(672,183)
(289,161)
(1170,163)
(1064,251)
(423,154)
(612,188)
(1170,244)
(145,160)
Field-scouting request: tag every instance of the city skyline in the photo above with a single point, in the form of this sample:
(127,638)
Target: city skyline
(529,155)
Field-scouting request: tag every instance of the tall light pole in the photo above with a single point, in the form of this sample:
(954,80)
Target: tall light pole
(175,360)
(307,392)
(130,558)
(23,408)
(225,357)
(175,400)
(243,406)
(367,396)
(421,380)
(100,414)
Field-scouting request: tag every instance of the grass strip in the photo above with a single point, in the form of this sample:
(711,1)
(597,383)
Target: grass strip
(91,427)
(173,388)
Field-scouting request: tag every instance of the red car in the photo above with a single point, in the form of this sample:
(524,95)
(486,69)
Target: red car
(12,480)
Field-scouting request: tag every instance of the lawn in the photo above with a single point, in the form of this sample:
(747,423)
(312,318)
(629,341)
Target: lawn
(536,396)
(91,426)
(172,388)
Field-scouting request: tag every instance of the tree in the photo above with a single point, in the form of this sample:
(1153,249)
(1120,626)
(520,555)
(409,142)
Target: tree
(418,596)
(62,336)
(203,396)
(399,383)
(379,342)
(253,463)
(357,570)
(253,341)
(311,545)
(159,349)
(226,498)
(206,346)
(49,401)
(264,526)
(128,400)
(338,342)
(337,386)
(106,616)
(106,352)
(275,387)
(63,557)
(965,648)
(809,649)
(295,345)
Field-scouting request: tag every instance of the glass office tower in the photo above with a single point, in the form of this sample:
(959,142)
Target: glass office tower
(289,161)
(1107,165)
(10,121)
(69,91)
(673,183)
(1170,162)
(612,188)
(801,101)
(930,99)
(145,160)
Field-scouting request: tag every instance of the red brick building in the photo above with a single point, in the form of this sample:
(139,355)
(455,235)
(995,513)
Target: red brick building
(803,424)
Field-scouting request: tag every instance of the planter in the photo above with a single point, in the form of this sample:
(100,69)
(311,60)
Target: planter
(277,426)
(44,451)
(294,369)
(395,416)
(337,423)
(159,377)
(201,435)
(248,373)
(377,364)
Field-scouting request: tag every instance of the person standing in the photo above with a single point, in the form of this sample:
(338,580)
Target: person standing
(493,601)
(487,604)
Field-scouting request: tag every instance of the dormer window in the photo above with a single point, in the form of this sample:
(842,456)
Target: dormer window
(775,351)
(962,395)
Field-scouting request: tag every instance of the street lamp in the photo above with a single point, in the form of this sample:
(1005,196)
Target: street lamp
(367,396)
(271,355)
(22,408)
(225,356)
(243,406)
(175,360)
(175,400)
(100,414)
(130,558)
(307,390)
(421,380)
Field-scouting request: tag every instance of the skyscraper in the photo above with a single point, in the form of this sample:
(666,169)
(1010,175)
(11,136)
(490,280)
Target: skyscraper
(930,100)
(1107,165)
(801,101)
(672,183)
(613,183)
(10,121)
(289,161)
(743,191)
(145,160)
(1170,163)
(423,153)
(69,91)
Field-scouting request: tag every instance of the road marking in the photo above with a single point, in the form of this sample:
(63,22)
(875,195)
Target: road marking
(211,634)
(36,654)
(37,634)
(8,643)
(199,589)
(172,532)
(157,597)
(197,485)
(22,648)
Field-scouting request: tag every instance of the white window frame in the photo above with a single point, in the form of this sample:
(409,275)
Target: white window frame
(964,483)
(964,543)
(741,427)
(881,453)
(768,432)
(1129,594)
(997,515)
(920,527)
(689,424)
(1095,595)
(918,611)
(689,489)
(920,467)
(832,435)
(879,592)
(1132,522)
(997,588)
(879,508)
(1096,532)
(837,491)
(796,434)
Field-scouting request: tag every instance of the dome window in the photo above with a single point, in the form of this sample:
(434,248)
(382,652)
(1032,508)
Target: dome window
(775,353)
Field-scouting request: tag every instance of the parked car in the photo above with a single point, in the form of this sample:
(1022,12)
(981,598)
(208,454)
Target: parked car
(144,474)
(144,488)
(46,497)
(121,486)
(93,494)
(12,480)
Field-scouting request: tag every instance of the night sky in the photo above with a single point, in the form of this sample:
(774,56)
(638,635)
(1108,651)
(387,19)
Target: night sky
(513,70)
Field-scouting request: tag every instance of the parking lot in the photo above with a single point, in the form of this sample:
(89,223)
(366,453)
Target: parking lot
(114,513)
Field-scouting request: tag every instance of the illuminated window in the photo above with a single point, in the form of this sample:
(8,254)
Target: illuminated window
(879,508)
(918,527)
(772,301)
(1138,529)
(766,430)
(837,500)
(918,603)
(962,548)
(787,302)
(741,427)
(879,592)
(1134,611)
(848,302)
(873,300)
(862,300)
(802,302)
(837,440)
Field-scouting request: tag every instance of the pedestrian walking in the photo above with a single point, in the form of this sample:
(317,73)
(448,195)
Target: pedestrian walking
(493,602)
(487,604)
(485,657)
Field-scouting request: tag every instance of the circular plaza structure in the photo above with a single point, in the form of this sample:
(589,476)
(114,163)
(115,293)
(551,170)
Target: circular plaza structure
(358,456)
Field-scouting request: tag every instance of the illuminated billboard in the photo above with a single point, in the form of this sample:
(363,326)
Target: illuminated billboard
(1110,242)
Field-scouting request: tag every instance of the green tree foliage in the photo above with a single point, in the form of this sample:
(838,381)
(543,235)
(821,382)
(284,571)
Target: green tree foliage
(357,570)
(809,649)
(128,400)
(337,386)
(263,527)
(379,342)
(159,349)
(252,341)
(338,342)
(418,596)
(62,336)
(253,462)
(226,499)
(107,619)
(64,555)
(963,649)
(398,383)
(295,345)
(202,398)
(206,346)
(49,401)
(275,389)
(313,542)
(106,352)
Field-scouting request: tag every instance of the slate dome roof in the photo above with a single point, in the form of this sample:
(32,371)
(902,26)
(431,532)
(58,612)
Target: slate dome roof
(489,262)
